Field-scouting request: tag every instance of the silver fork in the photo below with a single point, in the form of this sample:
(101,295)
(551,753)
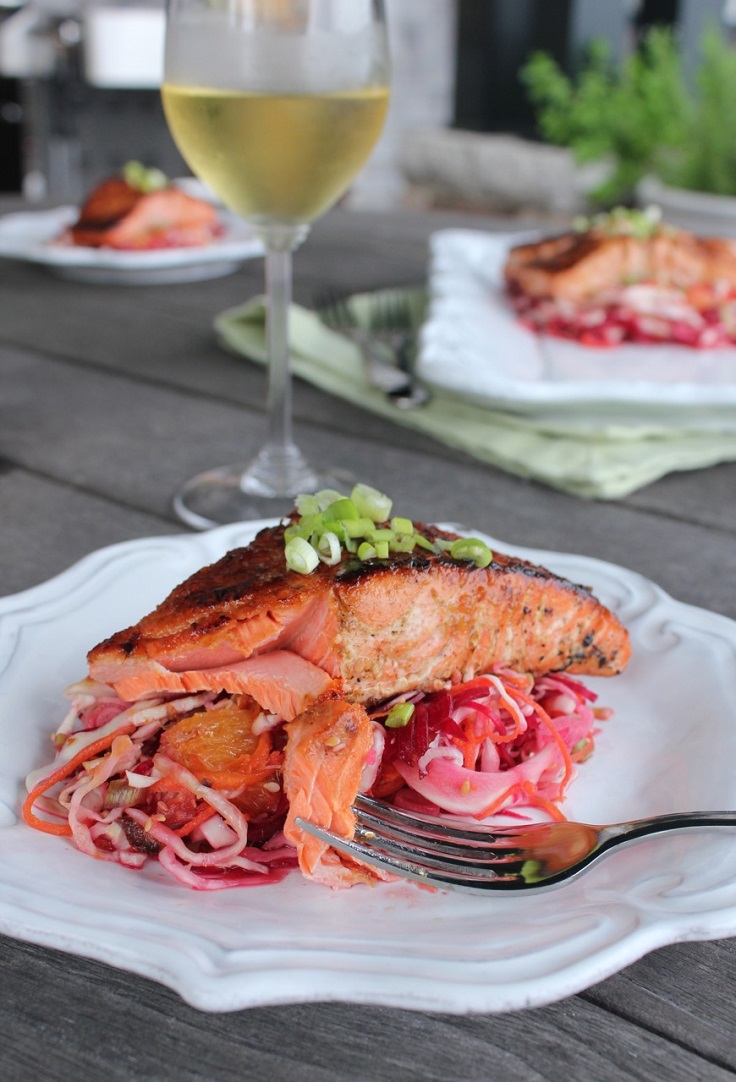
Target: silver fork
(386,343)
(527,856)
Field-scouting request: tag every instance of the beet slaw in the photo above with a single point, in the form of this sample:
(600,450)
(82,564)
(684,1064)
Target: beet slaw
(702,317)
(135,782)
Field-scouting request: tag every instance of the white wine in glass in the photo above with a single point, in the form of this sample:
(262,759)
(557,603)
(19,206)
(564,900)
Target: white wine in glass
(275,105)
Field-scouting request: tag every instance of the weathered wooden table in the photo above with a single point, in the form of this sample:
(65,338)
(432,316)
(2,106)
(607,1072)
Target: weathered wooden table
(112,395)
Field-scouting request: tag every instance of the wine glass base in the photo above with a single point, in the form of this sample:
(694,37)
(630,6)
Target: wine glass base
(234,494)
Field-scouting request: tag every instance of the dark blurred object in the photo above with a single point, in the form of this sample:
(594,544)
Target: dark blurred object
(11,124)
(496,37)
(11,128)
(655,13)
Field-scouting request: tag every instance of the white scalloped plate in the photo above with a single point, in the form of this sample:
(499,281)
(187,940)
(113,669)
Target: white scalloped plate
(393,945)
(473,345)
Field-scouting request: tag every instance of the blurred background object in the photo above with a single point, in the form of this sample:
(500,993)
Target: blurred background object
(79,96)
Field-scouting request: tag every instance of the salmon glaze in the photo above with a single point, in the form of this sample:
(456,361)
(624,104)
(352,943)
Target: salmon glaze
(255,694)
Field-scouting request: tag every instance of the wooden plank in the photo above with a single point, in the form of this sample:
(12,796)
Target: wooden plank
(105,437)
(164,335)
(53,524)
(704,496)
(666,993)
(149,1033)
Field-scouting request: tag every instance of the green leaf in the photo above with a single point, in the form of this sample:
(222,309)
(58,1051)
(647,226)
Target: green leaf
(642,116)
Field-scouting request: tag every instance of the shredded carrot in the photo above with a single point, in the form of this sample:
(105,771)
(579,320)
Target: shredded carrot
(62,772)
(550,725)
(205,812)
(479,682)
(541,802)
(470,751)
(567,760)
(261,752)
(498,803)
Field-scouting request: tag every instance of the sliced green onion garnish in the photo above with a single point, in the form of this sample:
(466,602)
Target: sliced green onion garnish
(145,180)
(371,503)
(328,549)
(326,496)
(380,535)
(358,527)
(340,510)
(293,530)
(399,715)
(330,523)
(402,543)
(423,543)
(473,549)
(120,794)
(533,871)
(338,528)
(307,504)
(300,556)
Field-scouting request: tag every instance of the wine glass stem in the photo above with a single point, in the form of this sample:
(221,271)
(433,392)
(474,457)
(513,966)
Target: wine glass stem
(278,290)
(280,469)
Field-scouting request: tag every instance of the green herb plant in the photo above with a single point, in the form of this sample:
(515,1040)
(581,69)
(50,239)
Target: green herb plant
(642,116)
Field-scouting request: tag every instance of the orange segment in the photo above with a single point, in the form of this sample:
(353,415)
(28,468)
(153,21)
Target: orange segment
(216,745)
(220,748)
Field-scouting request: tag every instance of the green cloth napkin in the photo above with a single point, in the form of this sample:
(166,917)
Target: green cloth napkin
(583,458)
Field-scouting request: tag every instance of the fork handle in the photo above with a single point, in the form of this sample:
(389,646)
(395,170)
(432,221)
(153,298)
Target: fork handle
(660,824)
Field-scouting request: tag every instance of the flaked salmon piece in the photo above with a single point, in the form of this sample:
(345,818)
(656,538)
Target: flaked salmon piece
(326,749)
(281,682)
(414,622)
(118,215)
(577,266)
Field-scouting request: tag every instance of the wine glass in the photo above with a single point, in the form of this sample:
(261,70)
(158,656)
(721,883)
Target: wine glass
(275,105)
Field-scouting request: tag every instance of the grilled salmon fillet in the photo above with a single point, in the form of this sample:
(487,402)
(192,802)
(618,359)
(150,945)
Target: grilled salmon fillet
(577,266)
(118,215)
(246,624)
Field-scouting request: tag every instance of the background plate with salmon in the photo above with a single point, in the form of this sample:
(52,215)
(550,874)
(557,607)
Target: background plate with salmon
(393,945)
(473,345)
(31,236)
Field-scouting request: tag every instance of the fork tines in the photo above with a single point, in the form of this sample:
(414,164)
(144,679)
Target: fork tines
(428,851)
(334,309)
(436,834)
